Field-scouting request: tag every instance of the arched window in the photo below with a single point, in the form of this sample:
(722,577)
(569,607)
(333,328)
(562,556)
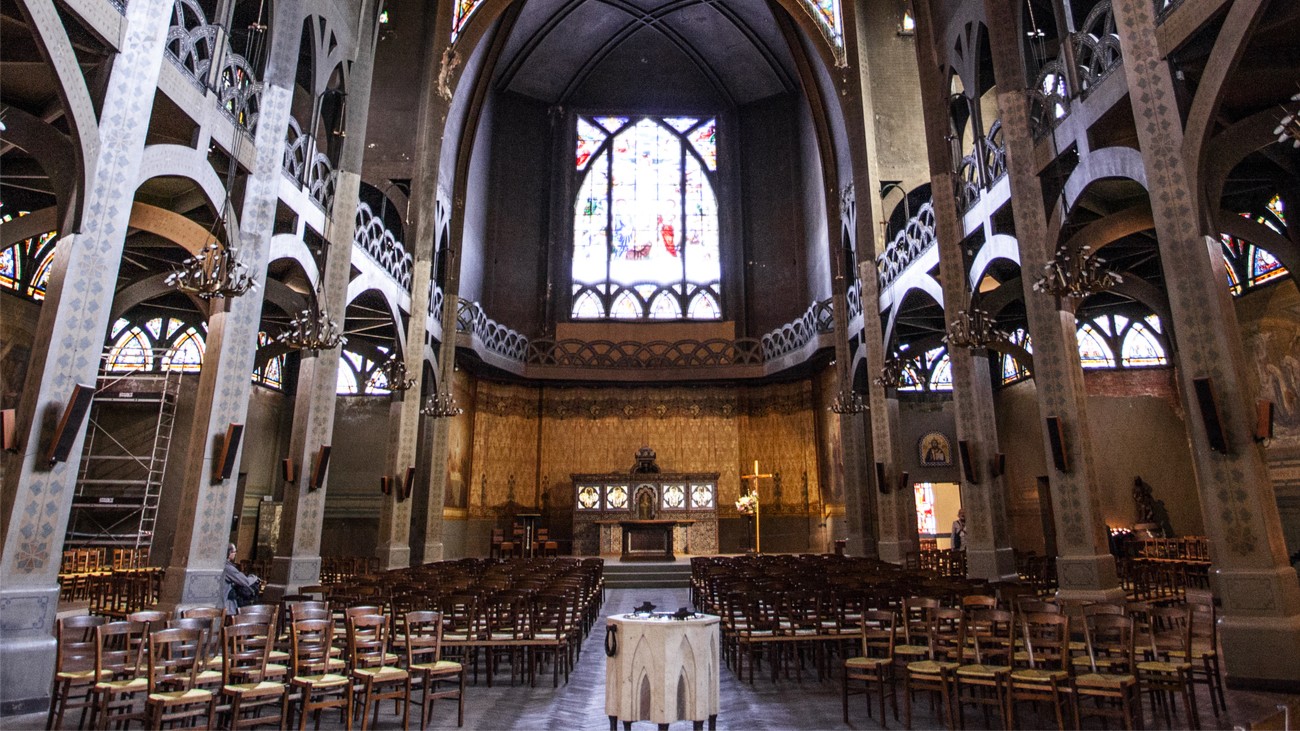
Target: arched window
(645,226)
(25,266)
(1247,265)
(271,374)
(931,371)
(1093,350)
(1139,342)
(131,350)
(1012,369)
(460,15)
(186,353)
(359,374)
(941,371)
(1140,346)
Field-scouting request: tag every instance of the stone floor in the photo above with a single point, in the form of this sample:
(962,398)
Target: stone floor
(788,704)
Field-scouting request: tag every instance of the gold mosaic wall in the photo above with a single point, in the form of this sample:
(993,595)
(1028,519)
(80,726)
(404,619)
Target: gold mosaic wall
(527,441)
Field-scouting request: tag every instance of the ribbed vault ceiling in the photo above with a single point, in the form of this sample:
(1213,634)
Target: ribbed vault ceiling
(710,53)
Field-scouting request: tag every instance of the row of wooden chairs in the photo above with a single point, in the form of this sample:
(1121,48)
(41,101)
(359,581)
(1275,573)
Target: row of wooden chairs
(995,659)
(107,667)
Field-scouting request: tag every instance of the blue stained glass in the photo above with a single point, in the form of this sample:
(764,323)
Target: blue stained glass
(9,268)
(131,352)
(1264,266)
(681,124)
(186,355)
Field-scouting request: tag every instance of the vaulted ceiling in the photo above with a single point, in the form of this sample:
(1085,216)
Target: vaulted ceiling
(685,53)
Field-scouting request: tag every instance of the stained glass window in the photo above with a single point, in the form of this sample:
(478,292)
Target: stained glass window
(460,16)
(1248,265)
(1093,350)
(827,15)
(272,373)
(1013,370)
(1275,207)
(645,230)
(25,266)
(130,352)
(1264,267)
(1141,348)
(925,523)
(186,353)
(941,371)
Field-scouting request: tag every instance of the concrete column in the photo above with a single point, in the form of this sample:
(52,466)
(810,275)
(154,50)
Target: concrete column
(988,553)
(898,535)
(1260,622)
(422,223)
(297,555)
(199,549)
(69,342)
(1085,568)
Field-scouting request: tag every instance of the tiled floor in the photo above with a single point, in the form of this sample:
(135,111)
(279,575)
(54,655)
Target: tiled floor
(765,705)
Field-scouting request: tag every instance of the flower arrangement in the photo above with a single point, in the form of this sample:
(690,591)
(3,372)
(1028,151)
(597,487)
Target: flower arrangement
(747,504)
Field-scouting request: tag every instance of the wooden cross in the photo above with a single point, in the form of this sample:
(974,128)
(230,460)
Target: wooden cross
(756,476)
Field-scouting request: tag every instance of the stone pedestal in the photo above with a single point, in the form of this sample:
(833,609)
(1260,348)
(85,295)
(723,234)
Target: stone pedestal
(661,670)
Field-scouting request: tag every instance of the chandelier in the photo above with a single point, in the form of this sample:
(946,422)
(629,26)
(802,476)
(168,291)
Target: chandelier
(1289,129)
(1075,277)
(216,271)
(848,401)
(891,373)
(312,329)
(973,329)
(441,405)
(395,375)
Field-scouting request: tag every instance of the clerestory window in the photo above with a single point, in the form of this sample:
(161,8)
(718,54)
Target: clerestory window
(645,223)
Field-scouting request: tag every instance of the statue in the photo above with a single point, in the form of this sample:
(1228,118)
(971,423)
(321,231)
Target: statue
(1144,501)
(645,504)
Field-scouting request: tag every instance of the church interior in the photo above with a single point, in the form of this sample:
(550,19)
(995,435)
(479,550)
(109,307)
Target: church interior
(854,310)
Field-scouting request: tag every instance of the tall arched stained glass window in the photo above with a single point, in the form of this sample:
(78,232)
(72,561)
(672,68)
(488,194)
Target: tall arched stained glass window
(1012,369)
(186,353)
(645,225)
(270,374)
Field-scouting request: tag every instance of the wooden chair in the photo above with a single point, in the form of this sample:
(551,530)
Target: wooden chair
(207,677)
(552,614)
(245,682)
(986,682)
(879,632)
(428,669)
(368,653)
(74,667)
(1167,670)
(123,678)
(315,673)
(175,656)
(1047,656)
(937,673)
(1111,678)
(1205,648)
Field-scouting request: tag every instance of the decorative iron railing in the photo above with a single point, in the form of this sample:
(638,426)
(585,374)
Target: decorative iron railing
(907,245)
(193,43)
(374,238)
(309,166)
(1096,54)
(497,338)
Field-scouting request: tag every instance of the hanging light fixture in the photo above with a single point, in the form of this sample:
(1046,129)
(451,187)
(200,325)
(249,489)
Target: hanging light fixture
(1289,129)
(442,405)
(848,401)
(216,271)
(1075,276)
(395,375)
(974,329)
(312,329)
(891,373)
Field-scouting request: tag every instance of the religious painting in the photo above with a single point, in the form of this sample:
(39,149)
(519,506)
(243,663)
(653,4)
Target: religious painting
(934,450)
